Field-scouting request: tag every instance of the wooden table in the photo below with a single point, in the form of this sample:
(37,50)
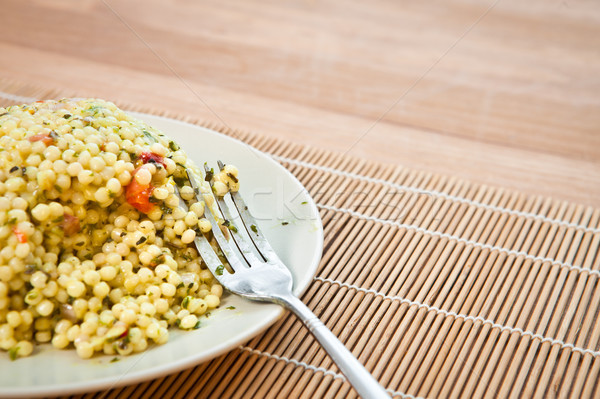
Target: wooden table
(498,92)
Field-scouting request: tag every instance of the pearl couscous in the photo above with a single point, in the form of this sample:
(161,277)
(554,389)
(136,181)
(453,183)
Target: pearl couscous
(96,253)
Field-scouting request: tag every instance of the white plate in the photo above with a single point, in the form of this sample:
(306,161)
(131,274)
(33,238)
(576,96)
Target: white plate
(274,196)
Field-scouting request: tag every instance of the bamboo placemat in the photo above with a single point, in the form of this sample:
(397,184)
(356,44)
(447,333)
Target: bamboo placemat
(441,287)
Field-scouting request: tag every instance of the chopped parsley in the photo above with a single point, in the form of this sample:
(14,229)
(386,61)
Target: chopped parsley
(150,136)
(31,296)
(253,228)
(232,228)
(230,307)
(30,269)
(12,352)
(219,270)
(173,146)
(180,181)
(197,326)
(93,109)
(210,173)
(285,223)
(232,177)
(186,301)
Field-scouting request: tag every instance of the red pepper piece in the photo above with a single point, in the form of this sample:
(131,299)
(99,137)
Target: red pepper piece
(147,156)
(22,237)
(138,195)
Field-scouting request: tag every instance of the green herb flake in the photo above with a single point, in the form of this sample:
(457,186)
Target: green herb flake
(180,181)
(186,302)
(253,228)
(157,260)
(30,296)
(180,285)
(209,173)
(197,326)
(94,108)
(304,202)
(230,307)
(150,136)
(12,352)
(173,146)
(232,228)
(114,359)
(219,270)
(285,223)
(30,269)
(232,177)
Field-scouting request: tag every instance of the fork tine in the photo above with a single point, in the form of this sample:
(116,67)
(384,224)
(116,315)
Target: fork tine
(211,259)
(230,255)
(256,236)
(240,241)
(206,250)
(238,237)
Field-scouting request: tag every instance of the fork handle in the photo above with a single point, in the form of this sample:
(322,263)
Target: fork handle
(364,383)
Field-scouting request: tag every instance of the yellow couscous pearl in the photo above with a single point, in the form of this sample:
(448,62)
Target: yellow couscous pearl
(204,225)
(188,236)
(188,321)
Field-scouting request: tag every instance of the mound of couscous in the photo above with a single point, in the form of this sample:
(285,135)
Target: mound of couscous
(96,253)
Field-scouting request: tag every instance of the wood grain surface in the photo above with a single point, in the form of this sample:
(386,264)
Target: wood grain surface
(501,92)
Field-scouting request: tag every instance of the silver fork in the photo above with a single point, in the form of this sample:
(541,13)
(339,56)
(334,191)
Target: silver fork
(263,277)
